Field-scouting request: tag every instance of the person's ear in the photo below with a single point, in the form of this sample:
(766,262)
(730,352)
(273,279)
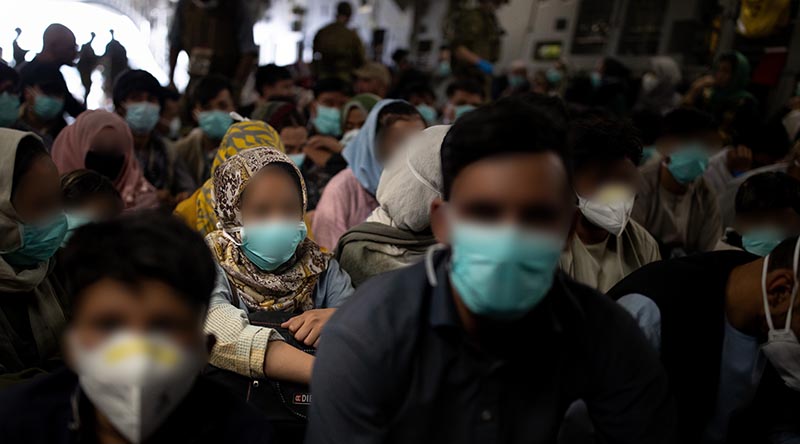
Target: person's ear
(780,283)
(196,113)
(211,341)
(439,223)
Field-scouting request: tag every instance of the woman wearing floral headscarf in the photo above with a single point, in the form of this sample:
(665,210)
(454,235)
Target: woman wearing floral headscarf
(198,210)
(267,264)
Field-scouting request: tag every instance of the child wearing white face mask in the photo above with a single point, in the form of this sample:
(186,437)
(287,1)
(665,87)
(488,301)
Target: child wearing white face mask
(606,245)
(134,347)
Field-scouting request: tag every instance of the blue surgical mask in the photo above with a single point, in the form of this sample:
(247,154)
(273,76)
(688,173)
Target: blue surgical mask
(75,220)
(502,272)
(648,152)
(463,109)
(761,241)
(554,76)
(596,78)
(443,70)
(298,159)
(39,242)
(428,113)
(46,107)
(688,162)
(142,117)
(9,109)
(270,244)
(328,121)
(214,123)
(516,81)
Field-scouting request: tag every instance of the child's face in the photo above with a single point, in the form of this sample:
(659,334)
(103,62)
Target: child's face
(272,194)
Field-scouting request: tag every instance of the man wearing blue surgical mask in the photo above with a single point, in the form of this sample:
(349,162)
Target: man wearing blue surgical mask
(43,94)
(675,204)
(9,96)
(137,98)
(330,96)
(463,96)
(486,334)
(725,324)
(212,102)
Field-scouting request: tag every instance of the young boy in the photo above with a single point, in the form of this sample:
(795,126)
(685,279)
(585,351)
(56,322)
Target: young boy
(134,346)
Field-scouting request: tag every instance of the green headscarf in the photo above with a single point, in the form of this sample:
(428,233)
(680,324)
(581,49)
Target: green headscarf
(735,91)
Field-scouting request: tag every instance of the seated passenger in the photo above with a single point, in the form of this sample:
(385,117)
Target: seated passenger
(606,245)
(674,202)
(33,225)
(488,342)
(101,141)
(198,210)
(724,325)
(767,212)
(43,92)
(134,347)
(88,196)
(398,232)
(350,196)
(267,264)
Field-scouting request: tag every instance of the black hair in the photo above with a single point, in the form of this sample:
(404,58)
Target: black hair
(393,112)
(601,141)
(344,9)
(331,84)
(7,74)
(269,75)
(137,247)
(133,81)
(29,149)
(768,191)
(553,106)
(683,122)
(80,186)
(471,86)
(506,127)
(46,76)
(768,138)
(418,89)
(169,94)
(208,88)
(399,55)
(648,124)
(286,116)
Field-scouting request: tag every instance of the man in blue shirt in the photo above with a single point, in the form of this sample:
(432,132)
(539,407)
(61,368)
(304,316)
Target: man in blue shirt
(487,341)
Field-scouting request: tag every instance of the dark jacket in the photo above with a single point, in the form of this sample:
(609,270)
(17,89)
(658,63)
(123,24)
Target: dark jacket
(395,365)
(690,295)
(52,410)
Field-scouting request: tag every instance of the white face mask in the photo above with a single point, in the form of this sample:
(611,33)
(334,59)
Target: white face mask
(782,348)
(649,82)
(136,380)
(610,207)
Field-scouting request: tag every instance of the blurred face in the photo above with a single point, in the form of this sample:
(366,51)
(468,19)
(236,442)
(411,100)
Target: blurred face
(421,99)
(221,102)
(66,49)
(785,219)
(106,155)
(38,193)
(355,119)
(332,99)
(527,190)
(271,194)
(392,137)
(724,74)
(294,138)
(461,97)
(282,88)
(138,97)
(100,207)
(590,179)
(150,306)
(709,139)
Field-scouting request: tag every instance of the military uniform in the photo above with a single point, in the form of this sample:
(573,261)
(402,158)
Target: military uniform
(338,52)
(478,30)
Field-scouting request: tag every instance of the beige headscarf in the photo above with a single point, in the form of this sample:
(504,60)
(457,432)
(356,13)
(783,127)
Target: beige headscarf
(411,181)
(46,314)
(290,287)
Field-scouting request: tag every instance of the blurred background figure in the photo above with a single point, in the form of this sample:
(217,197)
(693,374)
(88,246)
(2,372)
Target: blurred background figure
(338,50)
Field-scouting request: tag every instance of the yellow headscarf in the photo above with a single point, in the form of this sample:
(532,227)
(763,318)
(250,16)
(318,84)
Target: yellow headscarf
(198,210)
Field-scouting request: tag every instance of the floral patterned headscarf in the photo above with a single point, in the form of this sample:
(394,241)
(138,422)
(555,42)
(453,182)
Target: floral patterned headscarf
(290,287)
(240,136)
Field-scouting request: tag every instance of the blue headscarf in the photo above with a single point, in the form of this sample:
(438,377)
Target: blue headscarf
(361,152)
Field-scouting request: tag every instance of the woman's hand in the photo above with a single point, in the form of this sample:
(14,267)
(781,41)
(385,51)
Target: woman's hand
(307,327)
